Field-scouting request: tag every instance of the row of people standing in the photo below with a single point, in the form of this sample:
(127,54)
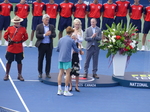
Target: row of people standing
(45,32)
(110,11)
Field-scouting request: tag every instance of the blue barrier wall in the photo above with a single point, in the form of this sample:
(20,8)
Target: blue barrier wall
(143,2)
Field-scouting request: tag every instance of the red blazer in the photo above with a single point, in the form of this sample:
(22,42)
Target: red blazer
(16,35)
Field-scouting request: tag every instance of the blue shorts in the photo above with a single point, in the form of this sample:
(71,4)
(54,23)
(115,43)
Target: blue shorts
(98,22)
(107,21)
(52,21)
(4,22)
(35,21)
(136,23)
(121,19)
(64,23)
(146,27)
(24,22)
(65,65)
(83,23)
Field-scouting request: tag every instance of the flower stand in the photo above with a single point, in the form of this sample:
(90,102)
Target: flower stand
(119,64)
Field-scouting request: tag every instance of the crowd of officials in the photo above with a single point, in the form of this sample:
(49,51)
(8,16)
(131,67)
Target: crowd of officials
(69,46)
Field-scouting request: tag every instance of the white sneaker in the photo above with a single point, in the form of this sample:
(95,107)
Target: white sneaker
(143,48)
(146,48)
(24,44)
(30,45)
(60,92)
(6,43)
(0,42)
(67,93)
(138,49)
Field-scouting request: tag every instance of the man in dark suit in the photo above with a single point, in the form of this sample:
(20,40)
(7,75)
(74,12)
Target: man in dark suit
(92,36)
(45,33)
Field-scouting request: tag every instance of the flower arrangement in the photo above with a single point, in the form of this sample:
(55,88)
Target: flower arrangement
(119,39)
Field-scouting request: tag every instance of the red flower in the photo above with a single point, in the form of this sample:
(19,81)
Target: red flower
(130,47)
(126,49)
(118,37)
(132,34)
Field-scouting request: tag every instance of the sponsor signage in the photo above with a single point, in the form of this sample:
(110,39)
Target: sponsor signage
(141,76)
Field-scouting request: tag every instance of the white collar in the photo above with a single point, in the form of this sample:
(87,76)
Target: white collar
(45,25)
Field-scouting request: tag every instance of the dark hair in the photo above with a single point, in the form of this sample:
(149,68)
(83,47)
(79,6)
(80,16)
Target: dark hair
(69,30)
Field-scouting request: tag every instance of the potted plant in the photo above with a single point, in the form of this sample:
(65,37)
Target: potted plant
(120,42)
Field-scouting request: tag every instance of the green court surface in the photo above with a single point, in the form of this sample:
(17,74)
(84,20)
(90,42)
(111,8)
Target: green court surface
(56,39)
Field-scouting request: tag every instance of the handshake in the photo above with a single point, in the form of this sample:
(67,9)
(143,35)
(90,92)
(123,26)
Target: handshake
(81,52)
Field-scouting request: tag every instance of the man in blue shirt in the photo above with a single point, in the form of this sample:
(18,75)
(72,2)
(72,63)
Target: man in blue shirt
(64,48)
(45,33)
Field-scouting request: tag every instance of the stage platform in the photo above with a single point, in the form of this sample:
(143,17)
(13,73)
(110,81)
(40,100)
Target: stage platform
(134,79)
(103,81)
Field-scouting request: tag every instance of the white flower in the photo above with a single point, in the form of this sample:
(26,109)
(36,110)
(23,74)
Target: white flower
(113,33)
(110,46)
(132,44)
(113,39)
(134,41)
(104,40)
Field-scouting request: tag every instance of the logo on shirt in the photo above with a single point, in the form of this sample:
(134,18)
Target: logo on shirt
(113,7)
(83,7)
(54,7)
(99,7)
(93,7)
(63,6)
(125,5)
(9,7)
(70,6)
(41,5)
(25,7)
(139,8)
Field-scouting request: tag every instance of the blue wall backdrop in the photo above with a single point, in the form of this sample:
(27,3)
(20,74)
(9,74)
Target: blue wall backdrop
(143,2)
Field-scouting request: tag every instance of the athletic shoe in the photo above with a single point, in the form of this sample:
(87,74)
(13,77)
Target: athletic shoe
(0,42)
(24,44)
(30,45)
(143,48)
(60,92)
(6,43)
(146,48)
(138,49)
(67,93)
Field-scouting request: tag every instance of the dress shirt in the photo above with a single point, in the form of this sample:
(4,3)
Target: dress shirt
(46,39)
(93,29)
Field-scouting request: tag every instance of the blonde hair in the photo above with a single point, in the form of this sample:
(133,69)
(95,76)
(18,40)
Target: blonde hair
(79,30)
